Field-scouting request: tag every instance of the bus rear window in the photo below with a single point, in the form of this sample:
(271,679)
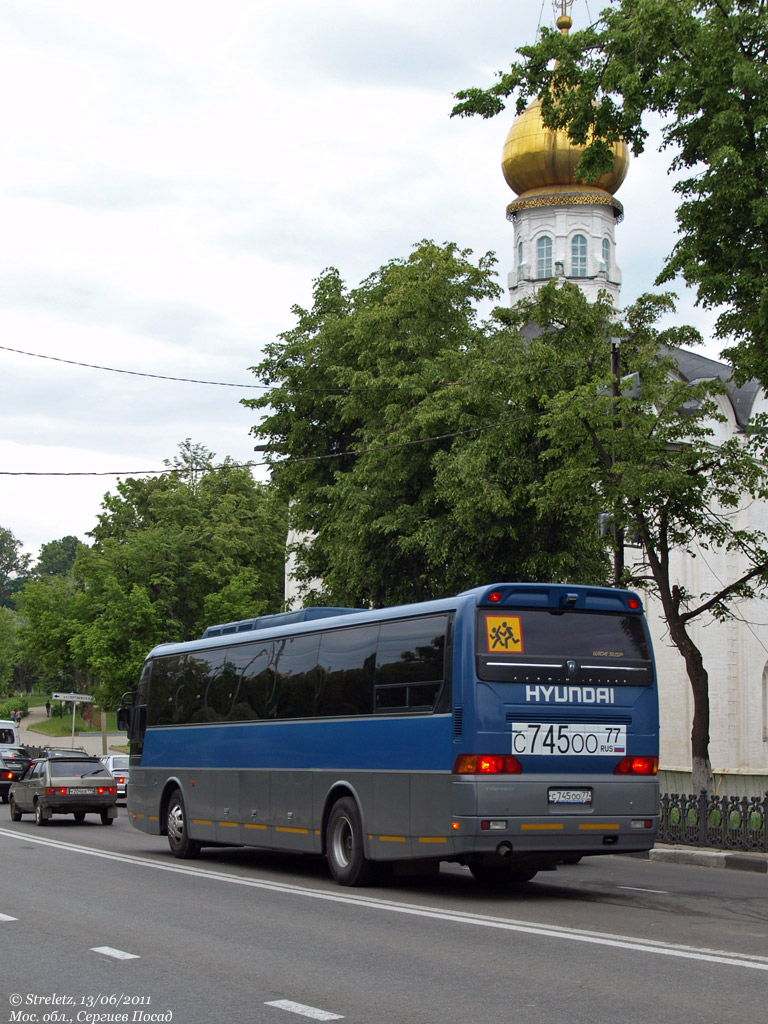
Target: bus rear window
(520,644)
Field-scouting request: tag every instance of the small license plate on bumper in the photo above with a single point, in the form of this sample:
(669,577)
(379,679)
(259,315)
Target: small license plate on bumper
(570,796)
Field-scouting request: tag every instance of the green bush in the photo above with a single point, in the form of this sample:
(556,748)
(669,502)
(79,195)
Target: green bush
(11,705)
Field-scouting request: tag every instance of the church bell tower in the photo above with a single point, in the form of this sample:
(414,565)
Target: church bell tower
(563,227)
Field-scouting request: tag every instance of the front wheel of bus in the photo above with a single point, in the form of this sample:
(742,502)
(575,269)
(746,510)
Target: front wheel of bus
(176,825)
(344,845)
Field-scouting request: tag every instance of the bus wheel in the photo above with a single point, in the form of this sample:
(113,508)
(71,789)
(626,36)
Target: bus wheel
(344,845)
(175,822)
(501,876)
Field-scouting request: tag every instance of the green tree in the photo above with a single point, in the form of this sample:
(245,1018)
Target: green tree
(376,394)
(7,649)
(56,557)
(170,554)
(648,459)
(701,65)
(14,567)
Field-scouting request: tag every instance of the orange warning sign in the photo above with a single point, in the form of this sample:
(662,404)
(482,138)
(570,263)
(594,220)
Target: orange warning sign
(504,633)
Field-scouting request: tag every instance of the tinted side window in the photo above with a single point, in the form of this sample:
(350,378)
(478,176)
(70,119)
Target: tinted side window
(410,664)
(347,663)
(255,695)
(295,662)
(167,698)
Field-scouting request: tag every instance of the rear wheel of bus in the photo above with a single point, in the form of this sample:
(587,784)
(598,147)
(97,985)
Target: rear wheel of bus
(344,845)
(176,826)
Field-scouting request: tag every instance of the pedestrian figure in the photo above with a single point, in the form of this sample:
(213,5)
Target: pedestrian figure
(47,709)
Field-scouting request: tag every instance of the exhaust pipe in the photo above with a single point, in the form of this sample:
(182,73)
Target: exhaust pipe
(504,849)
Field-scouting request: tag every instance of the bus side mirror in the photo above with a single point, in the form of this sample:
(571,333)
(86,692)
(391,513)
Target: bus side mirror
(124,719)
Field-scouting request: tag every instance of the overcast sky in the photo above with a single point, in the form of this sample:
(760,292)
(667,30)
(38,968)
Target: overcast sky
(174,174)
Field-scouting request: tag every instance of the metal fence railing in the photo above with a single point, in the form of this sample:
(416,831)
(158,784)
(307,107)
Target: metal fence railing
(724,822)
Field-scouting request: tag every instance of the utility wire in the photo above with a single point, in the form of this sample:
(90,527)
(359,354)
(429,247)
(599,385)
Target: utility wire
(332,390)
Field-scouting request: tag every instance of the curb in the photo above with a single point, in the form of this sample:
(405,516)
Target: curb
(706,858)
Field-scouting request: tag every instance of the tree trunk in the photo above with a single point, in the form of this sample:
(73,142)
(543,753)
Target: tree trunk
(698,676)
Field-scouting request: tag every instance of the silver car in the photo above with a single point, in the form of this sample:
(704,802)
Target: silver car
(117,764)
(65,785)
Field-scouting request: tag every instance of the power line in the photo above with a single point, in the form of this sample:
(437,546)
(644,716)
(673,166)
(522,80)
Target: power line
(330,390)
(133,373)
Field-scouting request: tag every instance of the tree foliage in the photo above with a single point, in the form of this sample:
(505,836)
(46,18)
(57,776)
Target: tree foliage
(703,66)
(651,460)
(391,432)
(170,554)
(14,567)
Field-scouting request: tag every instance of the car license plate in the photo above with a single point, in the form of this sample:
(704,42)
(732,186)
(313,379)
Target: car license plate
(568,738)
(570,796)
(83,791)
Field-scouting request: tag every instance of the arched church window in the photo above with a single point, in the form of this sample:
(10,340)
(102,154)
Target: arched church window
(607,254)
(578,256)
(519,259)
(544,257)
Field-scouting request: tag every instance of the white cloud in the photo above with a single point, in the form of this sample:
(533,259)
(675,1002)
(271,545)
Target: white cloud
(175,174)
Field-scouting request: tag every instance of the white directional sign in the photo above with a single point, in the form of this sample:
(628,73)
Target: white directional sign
(77,698)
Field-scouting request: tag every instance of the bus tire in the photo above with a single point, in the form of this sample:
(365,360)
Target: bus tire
(176,826)
(344,845)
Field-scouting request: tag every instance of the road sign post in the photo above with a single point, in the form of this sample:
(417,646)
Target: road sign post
(75,699)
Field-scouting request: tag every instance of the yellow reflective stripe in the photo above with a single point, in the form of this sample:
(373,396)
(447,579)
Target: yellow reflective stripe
(298,831)
(432,839)
(201,821)
(599,828)
(229,824)
(249,824)
(550,827)
(392,839)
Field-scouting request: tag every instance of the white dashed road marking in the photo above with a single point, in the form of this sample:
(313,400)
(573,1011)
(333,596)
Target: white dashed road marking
(118,954)
(305,1011)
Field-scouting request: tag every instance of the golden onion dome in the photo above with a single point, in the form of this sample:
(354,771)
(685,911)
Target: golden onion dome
(535,157)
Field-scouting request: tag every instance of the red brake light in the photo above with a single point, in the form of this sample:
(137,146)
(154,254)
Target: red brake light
(487,764)
(494,597)
(633,603)
(637,766)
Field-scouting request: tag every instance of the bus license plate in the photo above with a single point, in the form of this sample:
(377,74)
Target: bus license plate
(570,796)
(572,738)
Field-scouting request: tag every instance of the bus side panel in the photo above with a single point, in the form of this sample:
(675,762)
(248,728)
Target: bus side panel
(291,810)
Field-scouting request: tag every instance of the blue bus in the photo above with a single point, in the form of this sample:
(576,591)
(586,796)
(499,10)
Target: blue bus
(508,729)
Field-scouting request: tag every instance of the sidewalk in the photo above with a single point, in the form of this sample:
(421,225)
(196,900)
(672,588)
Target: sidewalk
(706,857)
(91,742)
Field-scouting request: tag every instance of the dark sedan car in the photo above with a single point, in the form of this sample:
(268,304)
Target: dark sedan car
(14,761)
(65,785)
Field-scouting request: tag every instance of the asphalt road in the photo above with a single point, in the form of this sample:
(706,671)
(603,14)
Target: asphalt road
(105,916)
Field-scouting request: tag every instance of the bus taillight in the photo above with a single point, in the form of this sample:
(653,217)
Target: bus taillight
(637,766)
(487,764)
